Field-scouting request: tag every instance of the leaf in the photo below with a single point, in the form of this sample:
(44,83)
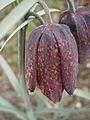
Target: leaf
(12,78)
(62,111)
(82,94)
(64,99)
(4,3)
(16,14)
(34,7)
(24,24)
(16,30)
(79,93)
(6,106)
(14,111)
(43,98)
(4,102)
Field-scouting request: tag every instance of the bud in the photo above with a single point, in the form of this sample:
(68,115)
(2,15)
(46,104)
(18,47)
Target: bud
(79,24)
(51,61)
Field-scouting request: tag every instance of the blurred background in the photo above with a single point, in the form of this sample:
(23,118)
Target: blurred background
(10,54)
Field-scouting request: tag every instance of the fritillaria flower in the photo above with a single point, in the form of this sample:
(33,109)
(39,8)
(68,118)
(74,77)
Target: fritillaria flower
(51,61)
(79,23)
(85,12)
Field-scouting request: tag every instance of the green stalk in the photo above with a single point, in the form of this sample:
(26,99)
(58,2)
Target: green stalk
(46,9)
(71,5)
(21,50)
(36,16)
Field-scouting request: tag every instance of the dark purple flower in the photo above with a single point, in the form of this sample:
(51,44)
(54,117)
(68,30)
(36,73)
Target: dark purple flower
(85,12)
(51,61)
(79,23)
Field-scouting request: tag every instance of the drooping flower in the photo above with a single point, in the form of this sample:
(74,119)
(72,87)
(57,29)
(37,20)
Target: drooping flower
(85,12)
(79,23)
(51,61)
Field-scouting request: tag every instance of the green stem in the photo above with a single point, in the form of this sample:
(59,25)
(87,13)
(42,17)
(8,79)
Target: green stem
(46,9)
(21,48)
(71,5)
(35,15)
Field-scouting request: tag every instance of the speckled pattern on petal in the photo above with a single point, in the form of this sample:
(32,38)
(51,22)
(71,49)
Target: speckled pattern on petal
(79,26)
(85,12)
(31,58)
(69,56)
(49,78)
(52,61)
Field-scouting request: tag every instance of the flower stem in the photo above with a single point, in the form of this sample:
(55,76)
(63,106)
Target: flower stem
(46,9)
(35,15)
(71,5)
(21,50)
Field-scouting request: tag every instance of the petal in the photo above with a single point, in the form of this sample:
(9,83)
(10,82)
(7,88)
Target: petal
(80,30)
(66,18)
(69,56)
(31,58)
(49,78)
(82,38)
(85,12)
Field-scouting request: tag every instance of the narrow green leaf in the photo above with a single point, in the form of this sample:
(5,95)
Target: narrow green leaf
(24,24)
(16,14)
(4,102)
(62,111)
(64,99)
(6,106)
(34,7)
(16,112)
(82,94)
(16,30)
(43,98)
(12,78)
(4,3)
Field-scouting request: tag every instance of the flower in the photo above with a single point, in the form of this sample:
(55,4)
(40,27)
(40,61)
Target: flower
(85,12)
(51,61)
(79,25)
